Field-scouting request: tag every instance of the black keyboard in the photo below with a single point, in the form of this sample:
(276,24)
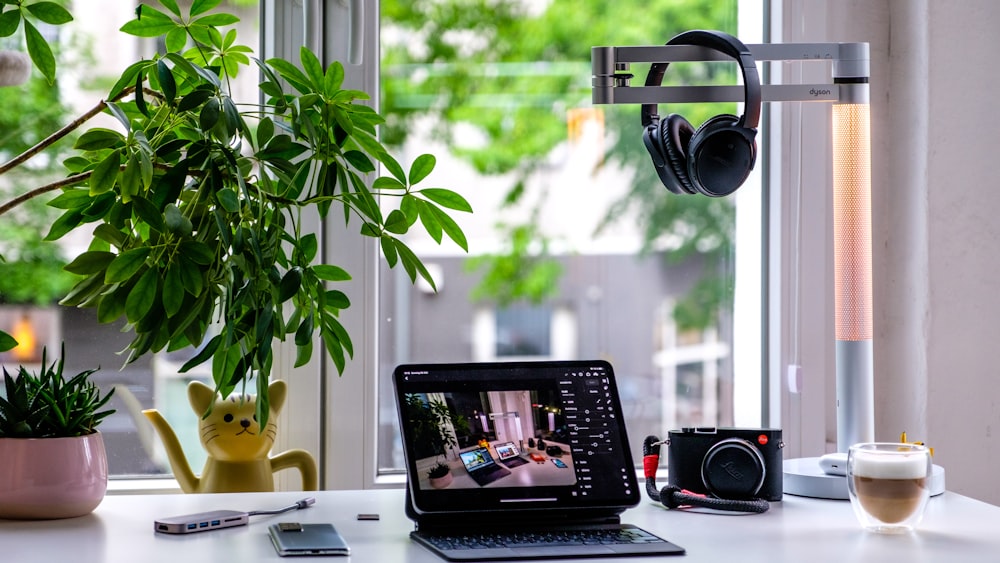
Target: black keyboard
(602,541)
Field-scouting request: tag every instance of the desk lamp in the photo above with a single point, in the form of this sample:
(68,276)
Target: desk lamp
(848,92)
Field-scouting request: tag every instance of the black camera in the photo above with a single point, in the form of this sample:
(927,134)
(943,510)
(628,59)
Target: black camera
(728,463)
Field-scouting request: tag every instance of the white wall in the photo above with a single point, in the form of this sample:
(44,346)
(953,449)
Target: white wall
(935,196)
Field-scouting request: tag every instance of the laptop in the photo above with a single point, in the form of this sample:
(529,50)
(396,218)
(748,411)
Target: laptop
(565,506)
(481,467)
(509,455)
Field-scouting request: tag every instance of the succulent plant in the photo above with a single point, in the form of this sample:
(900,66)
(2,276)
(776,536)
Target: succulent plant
(46,405)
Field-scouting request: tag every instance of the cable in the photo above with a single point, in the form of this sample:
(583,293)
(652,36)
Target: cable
(304,503)
(675,497)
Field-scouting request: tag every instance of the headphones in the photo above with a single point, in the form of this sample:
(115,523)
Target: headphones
(716,158)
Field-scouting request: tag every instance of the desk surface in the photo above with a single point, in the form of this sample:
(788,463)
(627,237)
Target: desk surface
(955,528)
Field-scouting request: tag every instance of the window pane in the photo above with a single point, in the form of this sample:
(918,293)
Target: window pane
(576,250)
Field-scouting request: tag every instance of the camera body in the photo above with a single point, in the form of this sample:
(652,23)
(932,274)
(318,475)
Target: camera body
(728,463)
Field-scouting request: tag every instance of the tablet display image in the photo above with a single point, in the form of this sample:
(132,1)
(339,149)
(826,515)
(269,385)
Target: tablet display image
(479,436)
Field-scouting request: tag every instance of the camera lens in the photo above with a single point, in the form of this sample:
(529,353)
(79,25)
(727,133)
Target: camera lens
(733,469)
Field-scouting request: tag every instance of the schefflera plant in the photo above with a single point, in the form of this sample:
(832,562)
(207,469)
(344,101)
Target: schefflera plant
(199,201)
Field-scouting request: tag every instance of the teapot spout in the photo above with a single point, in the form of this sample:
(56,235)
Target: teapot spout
(175,453)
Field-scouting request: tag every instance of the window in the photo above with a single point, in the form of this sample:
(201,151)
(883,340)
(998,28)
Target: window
(576,249)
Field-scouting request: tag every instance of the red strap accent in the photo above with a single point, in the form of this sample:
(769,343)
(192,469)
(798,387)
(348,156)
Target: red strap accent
(649,463)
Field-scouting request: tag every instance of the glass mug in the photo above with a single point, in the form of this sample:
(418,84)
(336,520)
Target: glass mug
(889,485)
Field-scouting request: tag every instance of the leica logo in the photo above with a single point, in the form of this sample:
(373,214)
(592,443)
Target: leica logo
(732,471)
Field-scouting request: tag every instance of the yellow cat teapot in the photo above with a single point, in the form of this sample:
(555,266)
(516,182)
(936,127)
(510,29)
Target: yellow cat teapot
(237,447)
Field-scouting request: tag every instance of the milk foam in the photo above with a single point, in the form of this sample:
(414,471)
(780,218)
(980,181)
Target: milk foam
(890,465)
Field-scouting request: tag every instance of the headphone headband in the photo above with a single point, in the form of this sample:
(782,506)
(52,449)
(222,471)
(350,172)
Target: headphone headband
(727,45)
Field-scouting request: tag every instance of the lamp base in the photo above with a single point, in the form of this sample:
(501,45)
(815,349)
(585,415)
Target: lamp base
(803,477)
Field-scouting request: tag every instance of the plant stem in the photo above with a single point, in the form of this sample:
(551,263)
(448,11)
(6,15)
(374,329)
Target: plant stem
(68,181)
(65,130)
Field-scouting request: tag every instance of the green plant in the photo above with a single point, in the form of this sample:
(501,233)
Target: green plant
(439,470)
(46,405)
(433,424)
(199,200)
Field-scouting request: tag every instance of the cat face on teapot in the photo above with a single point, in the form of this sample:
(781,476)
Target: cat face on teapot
(230,431)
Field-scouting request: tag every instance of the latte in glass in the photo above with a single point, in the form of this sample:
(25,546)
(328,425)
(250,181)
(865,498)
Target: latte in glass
(888,484)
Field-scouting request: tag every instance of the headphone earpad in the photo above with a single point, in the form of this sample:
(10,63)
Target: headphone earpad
(720,156)
(675,134)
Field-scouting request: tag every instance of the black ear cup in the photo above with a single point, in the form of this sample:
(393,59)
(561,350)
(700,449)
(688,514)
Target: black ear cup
(721,155)
(675,134)
(666,141)
(717,158)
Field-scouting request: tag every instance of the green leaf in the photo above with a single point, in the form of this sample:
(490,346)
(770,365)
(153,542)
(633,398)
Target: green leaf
(207,352)
(430,221)
(194,99)
(105,175)
(202,6)
(7,342)
(99,138)
(172,6)
(112,307)
(308,247)
(110,235)
(142,296)
(390,163)
(151,23)
(216,20)
(337,300)
(360,161)
(397,223)
(305,331)
(303,353)
(224,365)
(290,284)
(128,77)
(126,265)
(40,52)
(389,250)
(173,290)
(90,262)
(120,115)
(334,78)
(265,130)
(197,252)
(330,272)
(446,198)
(131,178)
(291,74)
(191,276)
(167,84)
(449,225)
(210,114)
(228,200)
(9,22)
(312,67)
(50,13)
(175,40)
(412,264)
(71,199)
(422,166)
(387,183)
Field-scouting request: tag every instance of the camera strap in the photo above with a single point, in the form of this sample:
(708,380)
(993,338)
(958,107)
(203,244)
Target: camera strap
(675,497)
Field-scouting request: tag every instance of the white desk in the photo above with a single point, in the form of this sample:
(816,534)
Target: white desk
(955,529)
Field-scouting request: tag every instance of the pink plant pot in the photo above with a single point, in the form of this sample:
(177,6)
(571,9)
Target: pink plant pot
(46,478)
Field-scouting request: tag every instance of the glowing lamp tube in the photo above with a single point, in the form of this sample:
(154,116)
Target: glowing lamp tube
(853,274)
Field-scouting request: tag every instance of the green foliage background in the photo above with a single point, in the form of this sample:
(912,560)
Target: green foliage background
(511,69)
